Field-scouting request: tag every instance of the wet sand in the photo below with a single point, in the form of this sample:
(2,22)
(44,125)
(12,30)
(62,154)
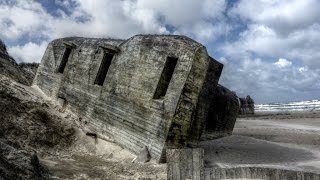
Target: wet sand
(289,140)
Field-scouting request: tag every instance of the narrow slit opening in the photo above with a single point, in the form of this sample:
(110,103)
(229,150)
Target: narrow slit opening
(103,70)
(64,59)
(165,78)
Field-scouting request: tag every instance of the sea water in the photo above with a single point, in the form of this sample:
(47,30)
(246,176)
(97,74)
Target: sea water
(312,105)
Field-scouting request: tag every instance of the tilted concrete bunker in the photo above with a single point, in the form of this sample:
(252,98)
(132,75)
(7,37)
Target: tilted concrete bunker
(149,90)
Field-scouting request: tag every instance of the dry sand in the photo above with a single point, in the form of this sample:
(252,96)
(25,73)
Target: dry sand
(277,140)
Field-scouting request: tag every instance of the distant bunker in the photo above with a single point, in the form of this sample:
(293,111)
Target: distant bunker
(153,91)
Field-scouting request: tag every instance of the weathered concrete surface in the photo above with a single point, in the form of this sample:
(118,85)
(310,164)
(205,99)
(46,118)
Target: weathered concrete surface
(223,113)
(185,164)
(124,108)
(246,105)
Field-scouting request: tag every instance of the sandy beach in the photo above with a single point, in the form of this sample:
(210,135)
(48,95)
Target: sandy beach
(287,140)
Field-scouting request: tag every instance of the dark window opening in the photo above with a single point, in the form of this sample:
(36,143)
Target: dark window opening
(64,60)
(165,78)
(103,70)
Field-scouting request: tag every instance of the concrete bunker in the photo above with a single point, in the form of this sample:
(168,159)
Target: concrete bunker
(149,90)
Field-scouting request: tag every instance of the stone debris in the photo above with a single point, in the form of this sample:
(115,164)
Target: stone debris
(246,105)
(143,156)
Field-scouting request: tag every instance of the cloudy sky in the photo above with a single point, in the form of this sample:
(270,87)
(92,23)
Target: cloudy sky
(270,48)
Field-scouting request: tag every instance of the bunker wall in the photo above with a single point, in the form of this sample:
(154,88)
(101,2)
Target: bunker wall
(123,107)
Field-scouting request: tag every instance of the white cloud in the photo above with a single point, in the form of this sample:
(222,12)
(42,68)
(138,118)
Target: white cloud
(282,63)
(278,29)
(21,19)
(301,45)
(264,83)
(269,29)
(120,19)
(29,52)
(284,16)
(108,18)
(251,70)
(302,69)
